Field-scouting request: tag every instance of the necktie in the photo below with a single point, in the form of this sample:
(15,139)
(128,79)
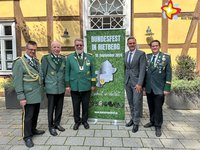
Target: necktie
(153,60)
(129,59)
(79,55)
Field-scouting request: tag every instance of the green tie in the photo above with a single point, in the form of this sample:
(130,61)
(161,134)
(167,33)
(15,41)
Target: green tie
(153,60)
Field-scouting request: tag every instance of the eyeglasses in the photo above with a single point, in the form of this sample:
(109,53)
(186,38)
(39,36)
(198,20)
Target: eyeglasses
(31,49)
(79,45)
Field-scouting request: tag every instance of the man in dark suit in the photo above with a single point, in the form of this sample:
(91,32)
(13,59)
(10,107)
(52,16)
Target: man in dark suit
(157,84)
(53,69)
(80,81)
(29,89)
(135,63)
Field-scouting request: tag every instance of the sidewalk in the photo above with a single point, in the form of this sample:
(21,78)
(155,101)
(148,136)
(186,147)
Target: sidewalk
(181,130)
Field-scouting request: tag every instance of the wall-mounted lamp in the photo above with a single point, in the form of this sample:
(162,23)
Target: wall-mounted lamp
(65,34)
(149,34)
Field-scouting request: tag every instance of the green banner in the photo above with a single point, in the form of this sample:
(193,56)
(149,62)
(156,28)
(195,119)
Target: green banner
(108,47)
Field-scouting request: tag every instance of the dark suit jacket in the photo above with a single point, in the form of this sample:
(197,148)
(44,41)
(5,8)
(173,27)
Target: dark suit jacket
(80,80)
(159,76)
(135,71)
(54,80)
(27,81)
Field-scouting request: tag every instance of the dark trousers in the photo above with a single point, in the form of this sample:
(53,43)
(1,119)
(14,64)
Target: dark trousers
(55,105)
(30,117)
(155,103)
(135,102)
(77,99)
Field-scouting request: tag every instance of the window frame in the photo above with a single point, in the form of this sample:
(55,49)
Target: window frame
(12,37)
(87,16)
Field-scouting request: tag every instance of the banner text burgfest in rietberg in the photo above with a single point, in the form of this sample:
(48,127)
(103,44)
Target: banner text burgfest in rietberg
(107,46)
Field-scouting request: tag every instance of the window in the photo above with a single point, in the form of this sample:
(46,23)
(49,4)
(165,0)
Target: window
(7,47)
(106,14)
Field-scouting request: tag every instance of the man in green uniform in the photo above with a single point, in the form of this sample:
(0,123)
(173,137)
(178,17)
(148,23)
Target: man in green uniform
(28,86)
(157,85)
(80,80)
(53,69)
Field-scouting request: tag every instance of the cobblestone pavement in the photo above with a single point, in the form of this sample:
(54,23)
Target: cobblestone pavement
(181,130)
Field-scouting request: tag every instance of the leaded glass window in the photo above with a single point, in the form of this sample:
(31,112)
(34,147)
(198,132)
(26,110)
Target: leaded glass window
(105,14)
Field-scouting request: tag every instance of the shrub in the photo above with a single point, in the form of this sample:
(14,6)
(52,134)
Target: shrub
(185,67)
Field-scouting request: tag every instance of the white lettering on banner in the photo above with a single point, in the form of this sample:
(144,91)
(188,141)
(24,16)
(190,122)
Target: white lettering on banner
(104,112)
(94,47)
(114,46)
(110,38)
(109,55)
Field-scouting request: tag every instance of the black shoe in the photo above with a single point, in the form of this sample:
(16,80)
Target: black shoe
(76,126)
(60,128)
(135,128)
(29,143)
(130,123)
(86,125)
(38,132)
(148,125)
(158,132)
(53,132)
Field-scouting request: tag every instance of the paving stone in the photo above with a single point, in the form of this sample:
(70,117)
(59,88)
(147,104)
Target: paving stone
(120,133)
(80,148)
(5,147)
(40,140)
(132,142)
(118,148)
(191,135)
(151,134)
(191,144)
(141,134)
(85,132)
(171,143)
(69,132)
(18,147)
(102,133)
(172,128)
(173,134)
(110,127)
(93,141)
(116,142)
(6,132)
(96,126)
(59,148)
(36,147)
(142,149)
(100,148)
(151,143)
(56,140)
(74,141)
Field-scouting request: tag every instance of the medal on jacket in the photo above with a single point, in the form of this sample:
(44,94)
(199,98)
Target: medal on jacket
(79,63)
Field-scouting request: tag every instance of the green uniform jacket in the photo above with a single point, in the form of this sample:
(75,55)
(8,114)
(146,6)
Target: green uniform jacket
(158,76)
(77,79)
(27,81)
(54,81)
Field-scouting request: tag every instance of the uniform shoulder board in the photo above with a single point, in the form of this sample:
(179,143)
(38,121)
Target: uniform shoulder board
(17,58)
(62,55)
(167,54)
(90,54)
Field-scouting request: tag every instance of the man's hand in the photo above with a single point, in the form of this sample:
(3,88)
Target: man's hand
(93,88)
(138,88)
(22,102)
(68,90)
(166,93)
